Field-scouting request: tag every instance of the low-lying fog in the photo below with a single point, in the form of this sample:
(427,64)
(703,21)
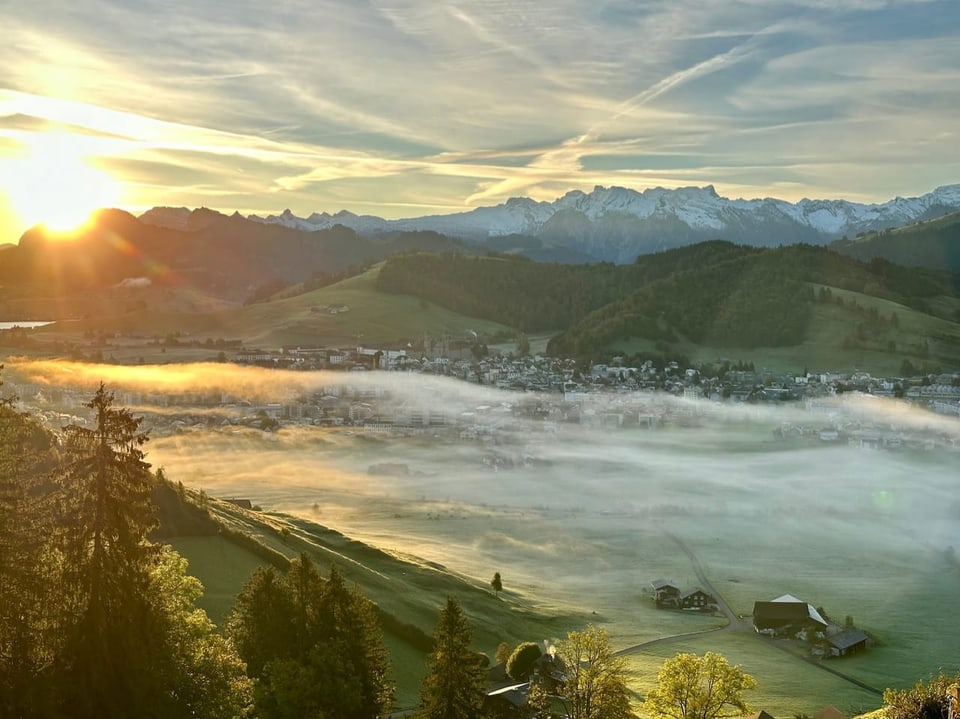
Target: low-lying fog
(575,515)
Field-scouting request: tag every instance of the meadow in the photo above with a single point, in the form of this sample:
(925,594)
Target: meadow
(579,522)
(579,519)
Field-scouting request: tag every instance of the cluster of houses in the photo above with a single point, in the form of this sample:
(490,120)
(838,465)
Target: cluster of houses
(668,595)
(940,392)
(787,616)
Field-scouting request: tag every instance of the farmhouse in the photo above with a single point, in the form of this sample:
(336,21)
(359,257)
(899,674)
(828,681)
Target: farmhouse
(667,594)
(785,615)
(696,598)
(665,591)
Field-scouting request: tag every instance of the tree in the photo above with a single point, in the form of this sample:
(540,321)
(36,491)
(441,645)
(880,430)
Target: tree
(314,645)
(521,661)
(27,587)
(595,686)
(694,687)
(201,668)
(496,583)
(523,345)
(538,699)
(454,685)
(106,608)
(132,642)
(503,653)
(929,700)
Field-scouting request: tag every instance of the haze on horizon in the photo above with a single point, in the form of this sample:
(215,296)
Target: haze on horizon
(417,107)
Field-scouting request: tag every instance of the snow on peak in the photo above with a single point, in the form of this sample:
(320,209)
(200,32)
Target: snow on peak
(702,209)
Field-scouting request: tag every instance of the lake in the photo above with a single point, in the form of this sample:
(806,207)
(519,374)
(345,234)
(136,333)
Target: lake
(24,325)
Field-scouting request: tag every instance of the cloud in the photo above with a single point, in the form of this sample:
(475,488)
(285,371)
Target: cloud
(338,105)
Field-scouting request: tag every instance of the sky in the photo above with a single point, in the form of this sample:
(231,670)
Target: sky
(410,107)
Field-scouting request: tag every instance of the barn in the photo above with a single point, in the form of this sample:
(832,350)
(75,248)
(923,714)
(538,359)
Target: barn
(785,615)
(848,642)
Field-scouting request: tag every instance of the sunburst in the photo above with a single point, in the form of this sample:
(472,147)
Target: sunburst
(54,185)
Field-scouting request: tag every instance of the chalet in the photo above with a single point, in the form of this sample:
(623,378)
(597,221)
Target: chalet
(696,598)
(785,615)
(759,715)
(242,503)
(848,642)
(506,700)
(665,591)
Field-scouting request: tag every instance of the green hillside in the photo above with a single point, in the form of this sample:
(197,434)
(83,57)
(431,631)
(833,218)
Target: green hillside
(370,317)
(224,544)
(784,307)
(709,300)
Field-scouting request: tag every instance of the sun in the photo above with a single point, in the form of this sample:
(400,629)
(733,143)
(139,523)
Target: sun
(54,185)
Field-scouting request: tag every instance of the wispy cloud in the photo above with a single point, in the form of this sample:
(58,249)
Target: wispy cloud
(329,104)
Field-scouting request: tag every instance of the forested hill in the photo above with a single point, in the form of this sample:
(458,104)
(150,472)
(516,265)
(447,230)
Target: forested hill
(712,293)
(535,297)
(934,244)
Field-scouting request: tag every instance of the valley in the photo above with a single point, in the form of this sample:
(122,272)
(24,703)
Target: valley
(584,518)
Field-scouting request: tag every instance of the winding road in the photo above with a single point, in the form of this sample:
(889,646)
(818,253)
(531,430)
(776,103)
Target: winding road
(734,624)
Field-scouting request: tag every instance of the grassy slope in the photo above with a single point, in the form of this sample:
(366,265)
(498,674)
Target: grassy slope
(379,318)
(412,592)
(374,318)
(823,347)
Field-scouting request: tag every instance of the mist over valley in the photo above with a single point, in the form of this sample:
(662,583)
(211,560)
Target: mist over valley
(579,518)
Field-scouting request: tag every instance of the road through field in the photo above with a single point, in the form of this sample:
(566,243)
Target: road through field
(734,624)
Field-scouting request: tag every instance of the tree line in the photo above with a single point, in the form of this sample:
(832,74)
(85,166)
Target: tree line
(712,293)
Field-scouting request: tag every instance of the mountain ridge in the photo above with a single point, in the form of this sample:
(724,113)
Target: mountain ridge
(617,224)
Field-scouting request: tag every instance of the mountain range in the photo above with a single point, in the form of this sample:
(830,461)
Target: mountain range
(616,224)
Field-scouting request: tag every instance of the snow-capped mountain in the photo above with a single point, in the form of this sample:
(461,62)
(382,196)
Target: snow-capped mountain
(617,224)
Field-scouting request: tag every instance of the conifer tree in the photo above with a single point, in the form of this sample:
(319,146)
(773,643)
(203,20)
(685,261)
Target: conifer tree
(314,645)
(109,629)
(454,685)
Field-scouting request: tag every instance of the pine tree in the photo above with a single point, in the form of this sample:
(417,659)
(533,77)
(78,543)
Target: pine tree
(109,628)
(314,645)
(454,685)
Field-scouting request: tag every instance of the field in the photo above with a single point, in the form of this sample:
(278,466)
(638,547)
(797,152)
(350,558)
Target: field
(579,522)
(373,318)
(823,349)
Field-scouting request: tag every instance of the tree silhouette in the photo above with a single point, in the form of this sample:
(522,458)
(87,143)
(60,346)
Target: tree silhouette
(106,487)
(496,583)
(454,685)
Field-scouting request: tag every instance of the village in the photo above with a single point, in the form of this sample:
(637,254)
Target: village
(548,392)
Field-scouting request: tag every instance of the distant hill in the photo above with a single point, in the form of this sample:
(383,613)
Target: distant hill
(213,253)
(713,294)
(934,244)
